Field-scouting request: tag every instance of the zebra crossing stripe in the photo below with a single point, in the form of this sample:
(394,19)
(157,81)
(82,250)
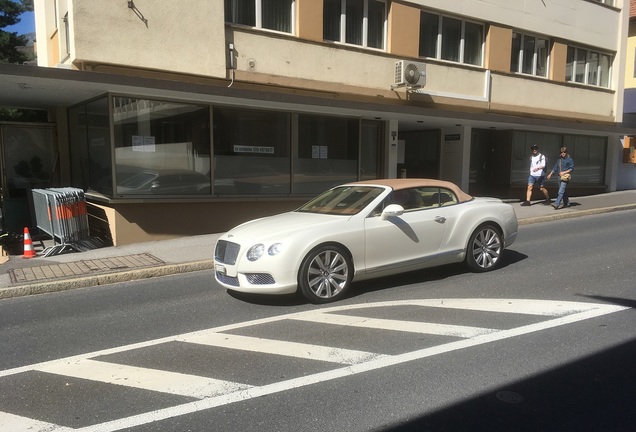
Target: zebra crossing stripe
(397,325)
(514,306)
(562,313)
(289,349)
(143,378)
(14,423)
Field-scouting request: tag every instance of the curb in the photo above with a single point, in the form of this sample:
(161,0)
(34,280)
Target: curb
(575,213)
(104,279)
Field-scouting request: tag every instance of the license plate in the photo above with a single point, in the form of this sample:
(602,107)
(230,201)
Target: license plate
(220,269)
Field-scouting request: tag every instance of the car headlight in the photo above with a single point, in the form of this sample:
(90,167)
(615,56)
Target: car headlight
(275,249)
(255,252)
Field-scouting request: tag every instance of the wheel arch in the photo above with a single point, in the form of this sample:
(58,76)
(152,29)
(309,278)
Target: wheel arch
(327,243)
(481,224)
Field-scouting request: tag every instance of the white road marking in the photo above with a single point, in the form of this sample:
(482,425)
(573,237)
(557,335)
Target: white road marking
(290,349)
(516,306)
(563,313)
(147,379)
(14,423)
(397,325)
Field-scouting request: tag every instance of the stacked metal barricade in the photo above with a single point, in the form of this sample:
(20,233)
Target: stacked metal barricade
(61,213)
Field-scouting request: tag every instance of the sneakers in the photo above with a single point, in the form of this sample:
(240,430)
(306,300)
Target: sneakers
(547,202)
(525,204)
(557,207)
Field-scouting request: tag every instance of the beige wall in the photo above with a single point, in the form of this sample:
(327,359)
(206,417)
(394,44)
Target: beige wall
(185,37)
(309,19)
(558,59)
(148,221)
(191,39)
(404,30)
(498,47)
(309,62)
(630,58)
(536,96)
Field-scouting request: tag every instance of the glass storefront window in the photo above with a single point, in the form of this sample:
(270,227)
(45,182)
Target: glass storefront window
(251,152)
(29,159)
(327,153)
(78,147)
(161,148)
(588,153)
(100,165)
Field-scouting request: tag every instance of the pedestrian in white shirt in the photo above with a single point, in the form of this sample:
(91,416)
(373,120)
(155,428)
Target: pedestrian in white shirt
(537,176)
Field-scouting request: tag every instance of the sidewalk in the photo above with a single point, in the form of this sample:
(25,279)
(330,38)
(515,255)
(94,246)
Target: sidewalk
(21,277)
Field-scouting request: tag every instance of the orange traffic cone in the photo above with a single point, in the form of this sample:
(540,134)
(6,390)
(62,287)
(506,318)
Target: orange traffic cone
(29,252)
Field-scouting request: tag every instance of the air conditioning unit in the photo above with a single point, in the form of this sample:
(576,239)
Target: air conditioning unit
(410,74)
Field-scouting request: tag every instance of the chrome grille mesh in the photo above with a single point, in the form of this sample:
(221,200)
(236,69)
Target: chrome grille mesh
(227,279)
(226,252)
(259,278)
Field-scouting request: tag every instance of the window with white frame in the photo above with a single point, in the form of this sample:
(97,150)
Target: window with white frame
(67,35)
(529,55)
(356,22)
(452,39)
(266,14)
(588,67)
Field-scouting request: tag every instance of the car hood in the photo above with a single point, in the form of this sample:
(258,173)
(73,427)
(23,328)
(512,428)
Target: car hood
(282,225)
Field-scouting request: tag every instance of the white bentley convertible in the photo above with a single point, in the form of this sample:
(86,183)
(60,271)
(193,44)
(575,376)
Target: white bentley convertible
(363,230)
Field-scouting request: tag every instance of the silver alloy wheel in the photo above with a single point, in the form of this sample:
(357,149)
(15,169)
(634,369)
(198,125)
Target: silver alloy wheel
(486,248)
(327,274)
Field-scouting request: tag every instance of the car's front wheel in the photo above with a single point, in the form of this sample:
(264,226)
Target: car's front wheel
(325,274)
(484,249)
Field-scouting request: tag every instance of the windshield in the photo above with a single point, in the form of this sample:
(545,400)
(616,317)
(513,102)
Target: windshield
(343,200)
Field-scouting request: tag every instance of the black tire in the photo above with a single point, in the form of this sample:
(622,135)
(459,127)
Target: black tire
(325,274)
(484,249)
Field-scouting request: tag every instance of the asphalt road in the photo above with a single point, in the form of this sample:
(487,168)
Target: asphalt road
(544,343)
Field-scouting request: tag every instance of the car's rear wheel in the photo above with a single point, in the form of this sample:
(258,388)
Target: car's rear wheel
(484,249)
(325,274)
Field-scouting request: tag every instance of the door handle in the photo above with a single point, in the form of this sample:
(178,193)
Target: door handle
(440,219)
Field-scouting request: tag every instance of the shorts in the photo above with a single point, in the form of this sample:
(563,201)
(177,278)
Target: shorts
(538,181)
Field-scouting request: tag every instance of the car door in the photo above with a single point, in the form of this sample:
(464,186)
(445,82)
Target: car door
(407,241)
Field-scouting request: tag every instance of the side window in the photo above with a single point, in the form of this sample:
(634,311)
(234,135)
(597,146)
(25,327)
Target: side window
(410,199)
(417,199)
(438,197)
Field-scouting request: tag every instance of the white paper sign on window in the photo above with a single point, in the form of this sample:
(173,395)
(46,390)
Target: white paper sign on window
(253,149)
(143,143)
(319,152)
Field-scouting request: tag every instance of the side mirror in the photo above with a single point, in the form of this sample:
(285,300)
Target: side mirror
(392,210)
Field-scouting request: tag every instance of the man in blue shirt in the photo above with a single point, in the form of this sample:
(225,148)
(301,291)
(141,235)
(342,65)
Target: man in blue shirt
(564,167)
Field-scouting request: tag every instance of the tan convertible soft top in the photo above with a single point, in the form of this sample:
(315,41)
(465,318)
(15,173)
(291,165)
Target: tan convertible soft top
(406,183)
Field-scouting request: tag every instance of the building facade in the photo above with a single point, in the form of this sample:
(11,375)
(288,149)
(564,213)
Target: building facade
(207,113)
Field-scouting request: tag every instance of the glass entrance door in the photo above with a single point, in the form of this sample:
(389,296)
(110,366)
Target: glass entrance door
(28,162)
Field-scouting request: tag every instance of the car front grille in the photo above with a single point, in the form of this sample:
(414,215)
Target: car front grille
(260,278)
(228,280)
(226,252)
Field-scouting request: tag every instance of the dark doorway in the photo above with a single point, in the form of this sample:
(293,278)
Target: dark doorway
(421,154)
(29,161)
(490,159)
